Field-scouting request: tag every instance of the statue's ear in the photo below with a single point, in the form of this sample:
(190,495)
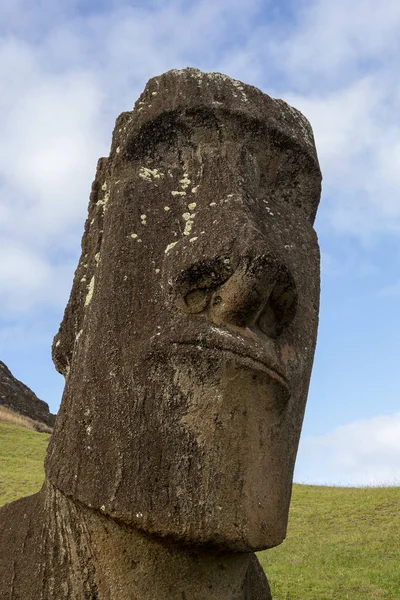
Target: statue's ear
(82,287)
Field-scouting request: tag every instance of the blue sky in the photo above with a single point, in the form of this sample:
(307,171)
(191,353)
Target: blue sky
(68,68)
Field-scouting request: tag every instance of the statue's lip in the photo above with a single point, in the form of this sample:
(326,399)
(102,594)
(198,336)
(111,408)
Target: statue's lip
(256,364)
(249,358)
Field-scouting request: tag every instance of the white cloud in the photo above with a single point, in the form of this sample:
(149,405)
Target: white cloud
(67,74)
(337,62)
(49,145)
(65,79)
(28,278)
(335,40)
(366,452)
(357,136)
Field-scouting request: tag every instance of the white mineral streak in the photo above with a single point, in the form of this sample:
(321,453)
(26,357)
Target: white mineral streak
(89,295)
(193,239)
(222,332)
(78,335)
(178,193)
(194,190)
(169,247)
(97,257)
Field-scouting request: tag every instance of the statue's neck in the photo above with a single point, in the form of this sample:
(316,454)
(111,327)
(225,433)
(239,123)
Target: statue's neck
(118,562)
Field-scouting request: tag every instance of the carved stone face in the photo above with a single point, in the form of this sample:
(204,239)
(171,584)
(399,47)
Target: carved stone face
(189,337)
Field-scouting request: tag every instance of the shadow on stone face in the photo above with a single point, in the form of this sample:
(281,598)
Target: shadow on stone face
(187,346)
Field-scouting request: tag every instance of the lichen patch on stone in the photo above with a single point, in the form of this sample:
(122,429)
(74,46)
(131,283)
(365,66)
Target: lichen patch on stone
(185,182)
(150,174)
(169,247)
(89,294)
(188,227)
(104,200)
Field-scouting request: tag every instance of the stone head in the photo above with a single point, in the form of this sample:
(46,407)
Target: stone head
(188,340)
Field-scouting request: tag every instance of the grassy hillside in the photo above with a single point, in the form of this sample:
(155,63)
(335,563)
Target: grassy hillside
(343,543)
(21,461)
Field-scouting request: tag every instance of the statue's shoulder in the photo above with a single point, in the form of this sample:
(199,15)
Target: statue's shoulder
(21,535)
(256,583)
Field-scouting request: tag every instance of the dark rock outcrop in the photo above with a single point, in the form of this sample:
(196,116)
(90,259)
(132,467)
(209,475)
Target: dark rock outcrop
(187,346)
(18,397)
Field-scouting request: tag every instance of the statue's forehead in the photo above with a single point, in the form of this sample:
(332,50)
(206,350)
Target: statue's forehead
(186,146)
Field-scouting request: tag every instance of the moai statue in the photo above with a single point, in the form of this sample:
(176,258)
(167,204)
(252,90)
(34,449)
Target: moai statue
(187,346)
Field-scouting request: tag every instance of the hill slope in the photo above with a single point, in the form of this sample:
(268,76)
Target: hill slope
(343,543)
(22,454)
(18,397)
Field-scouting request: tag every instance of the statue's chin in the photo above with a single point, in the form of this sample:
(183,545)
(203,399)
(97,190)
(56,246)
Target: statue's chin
(215,432)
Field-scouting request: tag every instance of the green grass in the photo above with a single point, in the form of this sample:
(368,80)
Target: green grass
(343,543)
(21,461)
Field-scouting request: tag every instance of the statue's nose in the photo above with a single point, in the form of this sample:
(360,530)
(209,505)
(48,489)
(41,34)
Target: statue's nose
(240,300)
(259,294)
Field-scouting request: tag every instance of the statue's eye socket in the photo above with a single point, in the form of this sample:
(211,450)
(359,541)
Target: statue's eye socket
(197,300)
(280,309)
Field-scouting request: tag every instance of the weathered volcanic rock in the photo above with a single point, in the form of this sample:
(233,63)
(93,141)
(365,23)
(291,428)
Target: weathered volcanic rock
(18,397)
(187,346)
